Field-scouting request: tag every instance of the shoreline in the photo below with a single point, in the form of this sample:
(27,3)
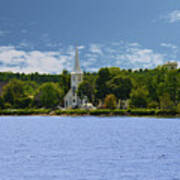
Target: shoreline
(97,112)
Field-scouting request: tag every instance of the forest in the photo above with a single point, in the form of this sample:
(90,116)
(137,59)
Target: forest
(109,88)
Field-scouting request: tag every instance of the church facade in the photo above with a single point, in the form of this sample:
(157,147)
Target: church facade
(71,99)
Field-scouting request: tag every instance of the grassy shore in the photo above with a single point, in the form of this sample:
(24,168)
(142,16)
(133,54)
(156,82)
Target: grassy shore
(97,112)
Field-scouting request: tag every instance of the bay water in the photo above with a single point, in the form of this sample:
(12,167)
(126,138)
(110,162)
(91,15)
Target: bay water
(89,148)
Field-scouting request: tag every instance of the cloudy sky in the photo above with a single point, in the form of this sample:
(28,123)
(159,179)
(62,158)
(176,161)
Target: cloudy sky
(41,35)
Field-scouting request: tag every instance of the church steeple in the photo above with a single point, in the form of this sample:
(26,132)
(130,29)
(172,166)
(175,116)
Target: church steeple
(72,99)
(77,68)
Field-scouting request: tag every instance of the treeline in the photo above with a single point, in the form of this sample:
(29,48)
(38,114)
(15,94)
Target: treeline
(115,88)
(39,78)
(109,88)
(33,90)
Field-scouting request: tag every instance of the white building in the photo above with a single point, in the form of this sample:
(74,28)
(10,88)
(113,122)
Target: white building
(71,100)
(170,65)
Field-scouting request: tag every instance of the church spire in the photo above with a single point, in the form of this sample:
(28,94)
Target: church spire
(77,68)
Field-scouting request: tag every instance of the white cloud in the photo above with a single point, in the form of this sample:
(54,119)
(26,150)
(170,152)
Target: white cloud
(9,55)
(149,57)
(174,50)
(124,55)
(172,17)
(135,44)
(81,47)
(169,45)
(140,58)
(15,60)
(96,48)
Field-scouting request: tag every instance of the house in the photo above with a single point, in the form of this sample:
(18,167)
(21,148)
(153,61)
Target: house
(170,65)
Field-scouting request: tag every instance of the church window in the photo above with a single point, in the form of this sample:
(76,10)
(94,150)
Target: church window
(74,100)
(66,103)
(74,90)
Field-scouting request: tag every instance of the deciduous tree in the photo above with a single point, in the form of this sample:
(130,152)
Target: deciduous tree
(49,95)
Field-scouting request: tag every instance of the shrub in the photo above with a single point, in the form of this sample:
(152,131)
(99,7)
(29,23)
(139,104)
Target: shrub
(110,101)
(120,112)
(141,112)
(7,105)
(165,112)
(24,111)
(153,105)
(71,112)
(98,112)
(178,108)
(59,112)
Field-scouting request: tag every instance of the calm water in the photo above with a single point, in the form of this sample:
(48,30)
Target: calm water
(89,148)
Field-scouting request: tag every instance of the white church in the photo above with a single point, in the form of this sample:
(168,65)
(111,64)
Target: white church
(71,100)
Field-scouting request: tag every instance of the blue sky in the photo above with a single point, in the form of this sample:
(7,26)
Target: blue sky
(41,35)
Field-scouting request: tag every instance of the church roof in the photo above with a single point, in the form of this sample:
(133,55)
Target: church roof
(77,68)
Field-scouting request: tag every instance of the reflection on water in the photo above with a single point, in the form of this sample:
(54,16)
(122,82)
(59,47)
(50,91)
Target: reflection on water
(89,148)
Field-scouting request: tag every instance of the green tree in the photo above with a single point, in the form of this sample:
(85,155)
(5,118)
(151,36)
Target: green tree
(23,102)
(65,81)
(166,102)
(120,87)
(30,87)
(110,101)
(86,89)
(171,84)
(101,83)
(178,108)
(138,98)
(13,91)
(1,103)
(49,95)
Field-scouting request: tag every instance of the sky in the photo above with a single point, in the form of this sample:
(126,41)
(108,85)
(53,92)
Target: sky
(41,35)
